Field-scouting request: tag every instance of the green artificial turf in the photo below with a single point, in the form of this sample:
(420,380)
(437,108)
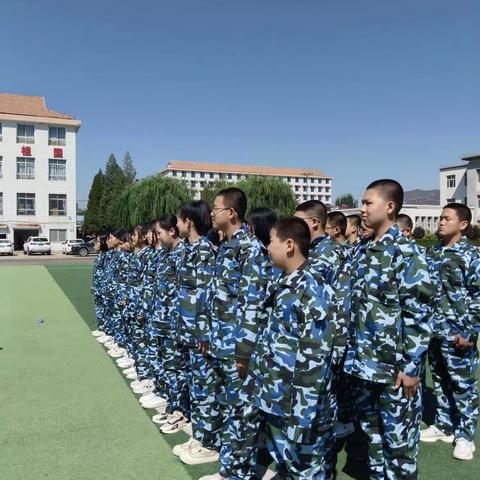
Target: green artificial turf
(66,411)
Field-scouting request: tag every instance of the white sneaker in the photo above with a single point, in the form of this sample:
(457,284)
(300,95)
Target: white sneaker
(160,419)
(136,384)
(343,429)
(126,362)
(199,455)
(156,402)
(176,422)
(118,353)
(215,476)
(147,397)
(111,344)
(185,447)
(463,449)
(146,386)
(129,370)
(433,434)
(132,375)
(104,338)
(97,333)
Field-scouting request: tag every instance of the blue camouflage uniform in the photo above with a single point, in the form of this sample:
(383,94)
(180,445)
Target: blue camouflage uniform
(192,326)
(98,279)
(290,379)
(391,291)
(236,297)
(455,272)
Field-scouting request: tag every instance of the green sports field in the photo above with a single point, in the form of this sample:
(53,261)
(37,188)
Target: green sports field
(66,411)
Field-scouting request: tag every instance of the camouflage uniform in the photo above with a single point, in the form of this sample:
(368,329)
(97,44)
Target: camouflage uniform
(236,298)
(172,356)
(331,262)
(192,326)
(391,291)
(98,279)
(291,379)
(456,273)
(115,292)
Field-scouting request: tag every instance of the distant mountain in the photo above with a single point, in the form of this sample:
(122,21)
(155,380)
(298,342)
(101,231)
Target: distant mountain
(422,197)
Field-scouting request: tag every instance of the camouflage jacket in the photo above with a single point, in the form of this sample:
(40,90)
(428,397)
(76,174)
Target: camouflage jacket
(236,295)
(166,290)
(290,369)
(99,274)
(455,272)
(193,277)
(391,292)
(147,257)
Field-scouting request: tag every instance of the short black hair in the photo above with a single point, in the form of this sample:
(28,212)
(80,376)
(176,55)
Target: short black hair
(464,214)
(406,220)
(235,198)
(167,222)
(338,219)
(316,209)
(391,191)
(262,219)
(296,229)
(141,229)
(198,212)
(120,234)
(355,219)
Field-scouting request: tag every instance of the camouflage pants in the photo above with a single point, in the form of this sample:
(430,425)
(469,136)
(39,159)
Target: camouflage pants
(392,426)
(299,461)
(240,423)
(454,376)
(118,326)
(99,312)
(175,364)
(201,385)
(142,365)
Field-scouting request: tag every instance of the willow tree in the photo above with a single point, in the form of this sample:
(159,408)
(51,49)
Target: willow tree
(211,189)
(150,198)
(268,192)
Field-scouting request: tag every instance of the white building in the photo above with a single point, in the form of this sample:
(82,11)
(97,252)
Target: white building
(306,184)
(461,183)
(425,216)
(37,171)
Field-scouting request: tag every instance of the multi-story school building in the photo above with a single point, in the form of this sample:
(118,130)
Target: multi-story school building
(306,183)
(37,171)
(461,183)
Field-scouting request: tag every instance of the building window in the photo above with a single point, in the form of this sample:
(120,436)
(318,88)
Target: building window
(478,201)
(184,174)
(56,136)
(25,204)
(450,181)
(25,168)
(450,200)
(1,167)
(202,184)
(58,235)
(174,173)
(465,200)
(202,174)
(25,134)
(57,204)
(211,175)
(57,169)
(1,132)
(229,176)
(193,183)
(1,203)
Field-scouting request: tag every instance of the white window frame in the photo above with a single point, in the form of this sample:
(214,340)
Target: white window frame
(58,236)
(29,139)
(451,181)
(25,211)
(57,177)
(54,139)
(60,213)
(28,168)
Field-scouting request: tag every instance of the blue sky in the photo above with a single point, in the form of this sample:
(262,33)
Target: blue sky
(360,89)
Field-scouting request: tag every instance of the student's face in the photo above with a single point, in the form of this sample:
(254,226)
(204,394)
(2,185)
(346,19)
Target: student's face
(112,242)
(406,231)
(221,215)
(135,238)
(150,236)
(375,209)
(166,237)
(183,226)
(278,249)
(449,224)
(97,245)
(312,222)
(331,230)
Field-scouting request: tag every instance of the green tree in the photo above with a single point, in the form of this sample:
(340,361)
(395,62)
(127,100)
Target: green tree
(269,192)
(128,169)
(150,198)
(211,189)
(346,200)
(93,221)
(114,184)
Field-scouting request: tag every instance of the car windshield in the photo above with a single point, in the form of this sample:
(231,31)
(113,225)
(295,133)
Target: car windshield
(5,241)
(76,241)
(39,239)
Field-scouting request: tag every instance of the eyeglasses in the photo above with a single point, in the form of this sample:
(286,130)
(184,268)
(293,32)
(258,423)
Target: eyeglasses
(217,210)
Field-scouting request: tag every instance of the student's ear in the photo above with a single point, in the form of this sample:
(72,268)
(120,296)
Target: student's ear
(315,223)
(290,244)
(464,226)
(390,207)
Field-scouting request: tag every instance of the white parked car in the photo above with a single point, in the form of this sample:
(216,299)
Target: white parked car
(67,245)
(37,245)
(6,247)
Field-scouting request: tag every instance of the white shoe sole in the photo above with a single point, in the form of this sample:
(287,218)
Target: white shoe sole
(469,457)
(178,429)
(185,458)
(448,439)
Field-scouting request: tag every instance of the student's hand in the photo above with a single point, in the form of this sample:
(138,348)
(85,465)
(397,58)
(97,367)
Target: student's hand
(461,343)
(410,385)
(203,347)
(242,367)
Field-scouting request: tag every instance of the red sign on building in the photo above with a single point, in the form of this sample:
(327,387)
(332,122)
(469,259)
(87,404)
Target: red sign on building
(26,151)
(58,153)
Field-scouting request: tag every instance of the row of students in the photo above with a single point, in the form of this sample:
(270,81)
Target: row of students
(331,324)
